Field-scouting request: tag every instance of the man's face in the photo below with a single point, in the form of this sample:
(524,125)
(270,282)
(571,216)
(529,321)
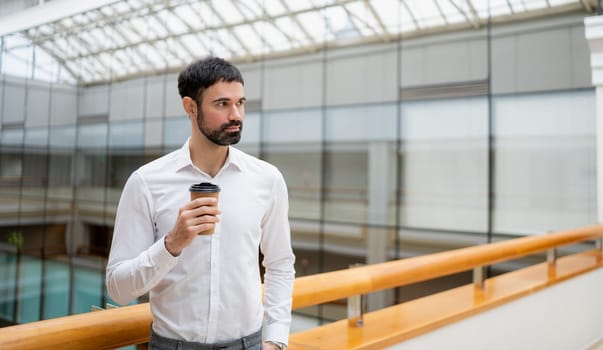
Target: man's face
(220,115)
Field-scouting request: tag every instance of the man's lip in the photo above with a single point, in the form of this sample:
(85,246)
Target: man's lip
(233,128)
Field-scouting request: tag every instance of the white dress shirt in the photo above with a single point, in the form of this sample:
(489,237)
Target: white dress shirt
(212,291)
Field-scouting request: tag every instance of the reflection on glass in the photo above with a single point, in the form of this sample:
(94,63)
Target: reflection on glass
(91,160)
(56,289)
(30,289)
(545,161)
(8,274)
(88,286)
(175,133)
(11,170)
(301,169)
(445,164)
(60,167)
(292,143)
(126,154)
(346,183)
(34,179)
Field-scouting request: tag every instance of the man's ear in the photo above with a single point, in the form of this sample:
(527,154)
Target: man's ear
(190,107)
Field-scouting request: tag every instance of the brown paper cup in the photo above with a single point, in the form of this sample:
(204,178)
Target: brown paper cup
(205,189)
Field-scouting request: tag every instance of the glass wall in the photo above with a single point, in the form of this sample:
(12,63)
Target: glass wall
(397,148)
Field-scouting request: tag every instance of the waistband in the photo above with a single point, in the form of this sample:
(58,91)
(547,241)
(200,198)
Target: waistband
(159,342)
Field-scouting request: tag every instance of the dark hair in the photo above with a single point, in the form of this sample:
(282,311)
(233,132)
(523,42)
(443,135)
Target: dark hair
(200,75)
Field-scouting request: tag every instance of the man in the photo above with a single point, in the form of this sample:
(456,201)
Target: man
(205,290)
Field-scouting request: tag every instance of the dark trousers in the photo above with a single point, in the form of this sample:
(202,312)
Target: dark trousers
(250,342)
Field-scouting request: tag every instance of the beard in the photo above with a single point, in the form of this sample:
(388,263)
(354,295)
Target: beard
(220,136)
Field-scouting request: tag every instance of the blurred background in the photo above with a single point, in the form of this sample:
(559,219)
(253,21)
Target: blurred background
(402,128)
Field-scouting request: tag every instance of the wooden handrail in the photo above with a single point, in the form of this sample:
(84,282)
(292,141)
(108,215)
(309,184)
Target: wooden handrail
(106,329)
(329,286)
(131,324)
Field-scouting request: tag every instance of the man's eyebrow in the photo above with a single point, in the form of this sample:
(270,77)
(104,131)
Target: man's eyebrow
(226,99)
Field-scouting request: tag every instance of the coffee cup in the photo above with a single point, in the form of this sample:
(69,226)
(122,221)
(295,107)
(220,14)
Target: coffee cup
(205,189)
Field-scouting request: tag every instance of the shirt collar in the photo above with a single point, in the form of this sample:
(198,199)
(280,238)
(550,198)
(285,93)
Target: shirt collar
(183,157)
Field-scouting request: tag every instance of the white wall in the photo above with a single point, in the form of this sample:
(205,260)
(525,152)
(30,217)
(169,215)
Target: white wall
(566,316)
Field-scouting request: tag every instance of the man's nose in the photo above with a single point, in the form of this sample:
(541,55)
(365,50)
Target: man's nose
(236,112)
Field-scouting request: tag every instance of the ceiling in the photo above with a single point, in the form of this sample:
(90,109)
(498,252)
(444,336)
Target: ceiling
(115,40)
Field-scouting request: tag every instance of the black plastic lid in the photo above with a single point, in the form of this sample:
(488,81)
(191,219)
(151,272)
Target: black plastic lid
(204,187)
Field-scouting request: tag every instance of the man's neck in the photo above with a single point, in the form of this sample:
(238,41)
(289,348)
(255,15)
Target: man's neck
(207,156)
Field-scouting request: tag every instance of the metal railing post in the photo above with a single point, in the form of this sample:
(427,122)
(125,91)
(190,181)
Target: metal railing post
(599,244)
(356,307)
(479,277)
(551,256)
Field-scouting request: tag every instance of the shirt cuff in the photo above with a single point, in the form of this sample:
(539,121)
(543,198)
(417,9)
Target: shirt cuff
(159,255)
(276,333)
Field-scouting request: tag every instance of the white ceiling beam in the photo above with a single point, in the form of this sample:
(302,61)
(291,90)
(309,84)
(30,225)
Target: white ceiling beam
(298,23)
(371,8)
(474,15)
(242,14)
(468,18)
(437,5)
(411,14)
(47,13)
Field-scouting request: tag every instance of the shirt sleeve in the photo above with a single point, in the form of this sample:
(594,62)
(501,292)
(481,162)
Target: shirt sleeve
(279,265)
(136,262)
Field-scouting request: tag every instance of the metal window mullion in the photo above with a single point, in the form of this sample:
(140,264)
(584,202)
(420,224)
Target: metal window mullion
(191,31)
(437,5)
(371,8)
(151,43)
(475,15)
(462,12)
(230,30)
(510,6)
(117,30)
(298,23)
(412,15)
(163,39)
(352,17)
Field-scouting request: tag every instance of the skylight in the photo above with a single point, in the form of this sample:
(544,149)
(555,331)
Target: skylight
(120,39)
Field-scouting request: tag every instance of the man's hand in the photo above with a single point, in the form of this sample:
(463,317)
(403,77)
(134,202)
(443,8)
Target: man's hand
(196,216)
(269,346)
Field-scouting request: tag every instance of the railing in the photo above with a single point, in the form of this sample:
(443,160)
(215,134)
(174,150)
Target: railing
(130,325)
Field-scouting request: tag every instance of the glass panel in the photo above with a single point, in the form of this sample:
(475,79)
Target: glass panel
(545,162)
(346,183)
(445,168)
(8,278)
(296,152)
(88,286)
(250,138)
(92,163)
(56,289)
(34,178)
(60,166)
(175,132)
(30,289)
(126,154)
(362,123)
(11,170)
